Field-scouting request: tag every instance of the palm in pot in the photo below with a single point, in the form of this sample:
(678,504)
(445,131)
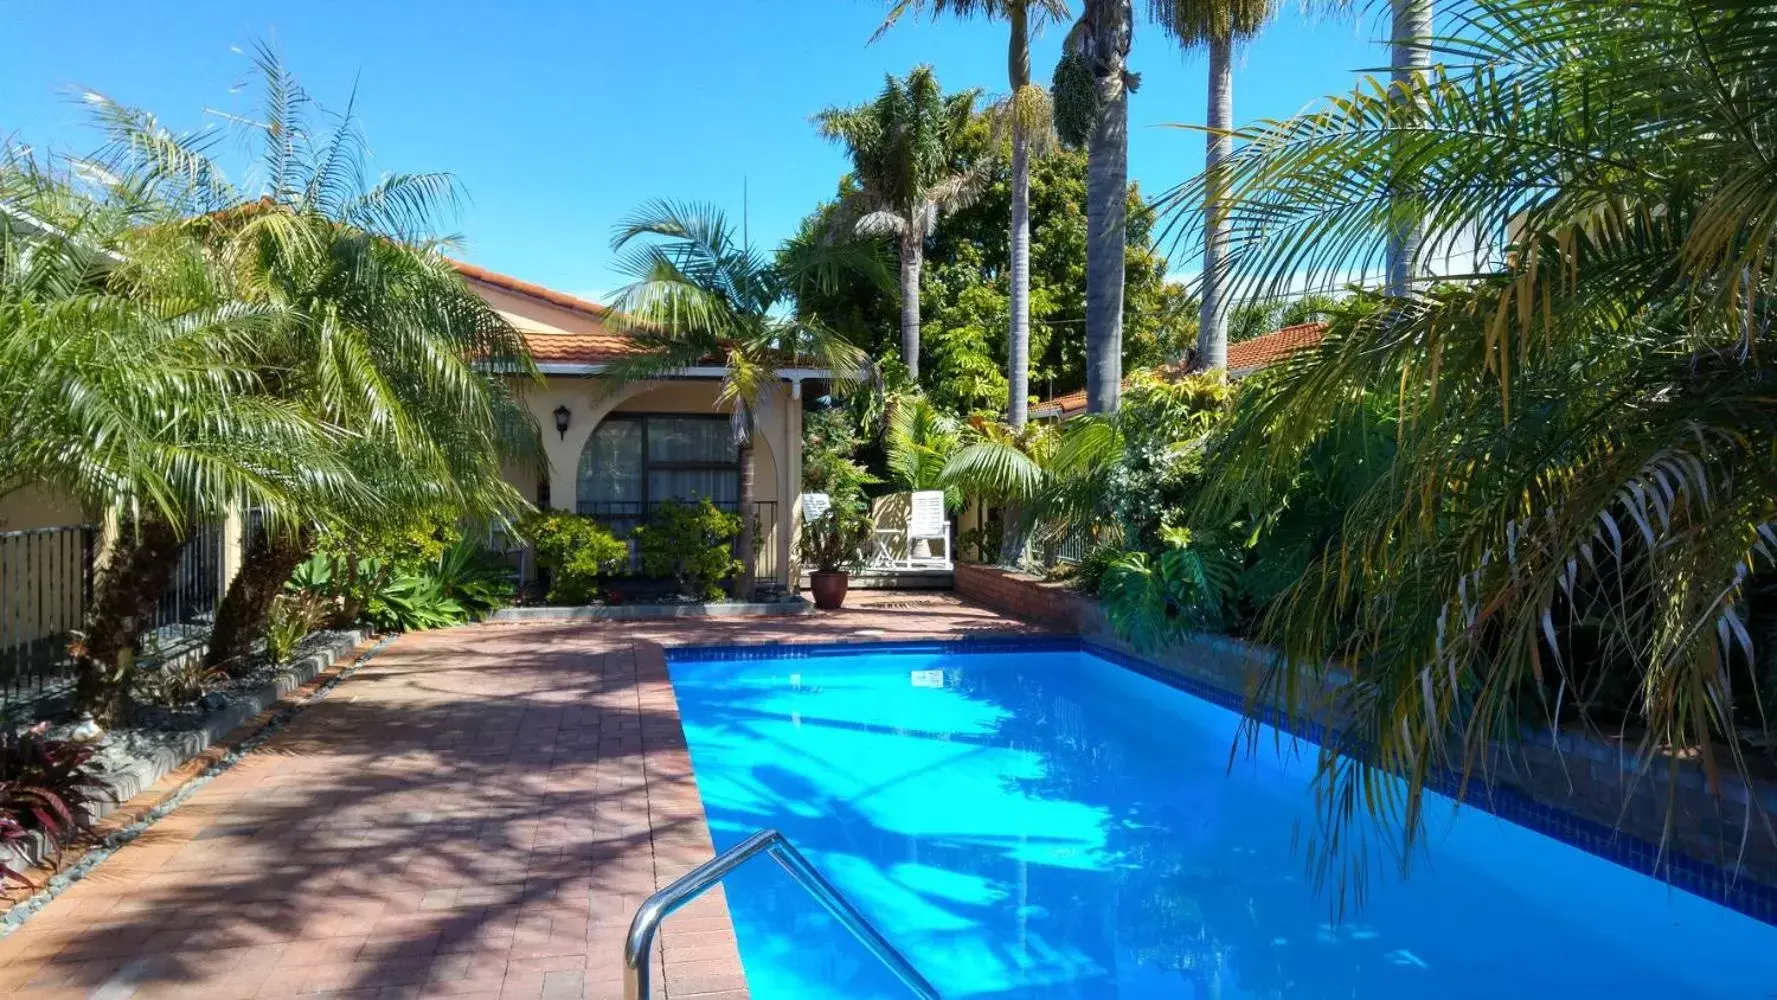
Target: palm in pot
(833,544)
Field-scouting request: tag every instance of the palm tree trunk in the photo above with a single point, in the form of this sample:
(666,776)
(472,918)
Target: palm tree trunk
(1018,337)
(1212,333)
(1107,205)
(912,256)
(265,566)
(1410,55)
(749,559)
(139,571)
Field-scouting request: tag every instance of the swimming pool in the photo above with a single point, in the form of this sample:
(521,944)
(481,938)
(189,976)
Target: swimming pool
(1044,823)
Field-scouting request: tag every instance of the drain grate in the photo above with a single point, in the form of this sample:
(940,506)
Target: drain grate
(902,605)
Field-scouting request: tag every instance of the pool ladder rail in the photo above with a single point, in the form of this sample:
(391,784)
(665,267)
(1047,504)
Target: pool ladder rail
(638,947)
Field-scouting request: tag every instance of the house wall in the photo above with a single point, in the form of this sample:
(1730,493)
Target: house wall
(38,507)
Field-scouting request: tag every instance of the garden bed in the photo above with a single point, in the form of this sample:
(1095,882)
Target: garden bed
(635,612)
(156,740)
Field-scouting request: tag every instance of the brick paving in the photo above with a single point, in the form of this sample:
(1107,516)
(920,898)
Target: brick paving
(475,814)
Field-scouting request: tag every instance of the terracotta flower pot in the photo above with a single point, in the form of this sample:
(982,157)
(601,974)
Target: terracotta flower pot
(829,589)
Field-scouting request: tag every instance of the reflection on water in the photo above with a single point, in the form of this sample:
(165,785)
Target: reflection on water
(1050,825)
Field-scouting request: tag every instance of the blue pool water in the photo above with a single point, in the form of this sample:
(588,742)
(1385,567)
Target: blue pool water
(1052,825)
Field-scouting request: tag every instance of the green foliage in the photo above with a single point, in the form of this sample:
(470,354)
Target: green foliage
(1155,600)
(830,442)
(476,578)
(920,440)
(964,291)
(836,540)
(294,614)
(690,543)
(1574,525)
(413,602)
(580,554)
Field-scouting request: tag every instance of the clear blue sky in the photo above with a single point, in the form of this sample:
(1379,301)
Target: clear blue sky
(558,116)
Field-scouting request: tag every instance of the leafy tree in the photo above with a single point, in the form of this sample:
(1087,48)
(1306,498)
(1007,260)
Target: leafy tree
(967,293)
(1008,468)
(904,148)
(697,293)
(1576,523)
(920,440)
(379,335)
(690,543)
(1027,107)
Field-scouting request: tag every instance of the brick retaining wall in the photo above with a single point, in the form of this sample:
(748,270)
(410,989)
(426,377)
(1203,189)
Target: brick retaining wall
(1585,774)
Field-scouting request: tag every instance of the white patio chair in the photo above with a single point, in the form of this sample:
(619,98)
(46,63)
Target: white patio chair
(927,522)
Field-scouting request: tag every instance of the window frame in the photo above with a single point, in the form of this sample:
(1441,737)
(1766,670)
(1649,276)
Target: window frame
(650,465)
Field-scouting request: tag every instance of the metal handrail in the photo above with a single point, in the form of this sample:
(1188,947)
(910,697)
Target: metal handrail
(638,948)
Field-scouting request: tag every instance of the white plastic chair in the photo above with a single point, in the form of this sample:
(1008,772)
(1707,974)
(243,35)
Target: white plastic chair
(927,522)
(814,505)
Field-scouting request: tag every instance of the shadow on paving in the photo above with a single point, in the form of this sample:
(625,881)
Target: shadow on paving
(435,819)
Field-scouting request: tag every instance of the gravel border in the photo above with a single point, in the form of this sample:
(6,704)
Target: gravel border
(131,760)
(108,845)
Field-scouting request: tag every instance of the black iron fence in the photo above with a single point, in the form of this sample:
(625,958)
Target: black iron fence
(46,582)
(46,585)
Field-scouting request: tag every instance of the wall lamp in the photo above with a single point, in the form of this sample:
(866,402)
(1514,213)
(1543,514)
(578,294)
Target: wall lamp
(562,414)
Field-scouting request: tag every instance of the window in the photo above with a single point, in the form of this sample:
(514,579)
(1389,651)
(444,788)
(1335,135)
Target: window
(633,461)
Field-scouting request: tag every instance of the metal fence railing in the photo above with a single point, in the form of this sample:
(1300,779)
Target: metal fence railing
(46,581)
(183,615)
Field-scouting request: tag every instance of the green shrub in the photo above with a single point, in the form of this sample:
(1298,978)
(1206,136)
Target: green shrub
(1155,600)
(835,540)
(412,603)
(294,614)
(690,543)
(580,553)
(476,578)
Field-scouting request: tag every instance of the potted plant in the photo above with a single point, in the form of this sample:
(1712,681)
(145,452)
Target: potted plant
(833,543)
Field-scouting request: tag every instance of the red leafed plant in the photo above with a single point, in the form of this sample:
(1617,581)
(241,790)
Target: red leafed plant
(44,786)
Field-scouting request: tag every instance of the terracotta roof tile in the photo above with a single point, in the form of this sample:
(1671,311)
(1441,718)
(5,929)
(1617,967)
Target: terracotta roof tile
(1244,357)
(511,284)
(557,348)
(1274,346)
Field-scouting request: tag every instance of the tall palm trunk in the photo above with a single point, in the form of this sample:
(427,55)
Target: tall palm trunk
(265,566)
(1018,337)
(1212,334)
(1410,55)
(912,257)
(1107,205)
(139,571)
(749,557)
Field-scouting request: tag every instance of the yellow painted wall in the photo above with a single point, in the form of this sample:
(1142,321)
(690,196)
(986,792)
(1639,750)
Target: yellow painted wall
(38,507)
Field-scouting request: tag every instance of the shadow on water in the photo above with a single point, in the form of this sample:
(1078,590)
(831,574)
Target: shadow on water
(1050,826)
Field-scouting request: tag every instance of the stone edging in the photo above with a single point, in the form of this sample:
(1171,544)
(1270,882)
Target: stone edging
(118,787)
(643,612)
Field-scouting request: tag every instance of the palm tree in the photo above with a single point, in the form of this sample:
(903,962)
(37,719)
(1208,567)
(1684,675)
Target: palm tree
(1005,467)
(1028,109)
(1218,25)
(697,293)
(380,335)
(1098,46)
(904,153)
(1577,521)
(1409,58)
(133,384)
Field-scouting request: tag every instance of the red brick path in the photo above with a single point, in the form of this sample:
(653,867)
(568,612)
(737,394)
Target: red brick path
(476,813)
